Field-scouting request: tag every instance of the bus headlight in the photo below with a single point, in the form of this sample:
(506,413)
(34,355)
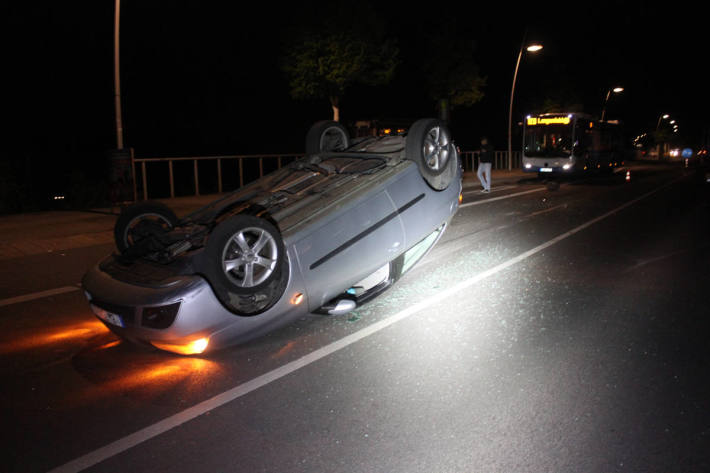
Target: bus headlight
(566,167)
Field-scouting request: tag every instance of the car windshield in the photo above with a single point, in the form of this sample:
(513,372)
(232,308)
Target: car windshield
(549,141)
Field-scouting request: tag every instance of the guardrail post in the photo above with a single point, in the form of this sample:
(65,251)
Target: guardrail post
(261,166)
(219,175)
(172,181)
(145,181)
(241,173)
(133,170)
(197,178)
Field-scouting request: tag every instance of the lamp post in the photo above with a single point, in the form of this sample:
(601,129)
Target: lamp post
(616,90)
(658,136)
(531,48)
(117,75)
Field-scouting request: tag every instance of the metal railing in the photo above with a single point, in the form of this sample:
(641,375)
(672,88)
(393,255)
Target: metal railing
(469,160)
(233,171)
(243,169)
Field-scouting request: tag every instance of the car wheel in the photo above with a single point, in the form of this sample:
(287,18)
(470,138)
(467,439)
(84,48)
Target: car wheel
(247,264)
(141,221)
(429,144)
(327,135)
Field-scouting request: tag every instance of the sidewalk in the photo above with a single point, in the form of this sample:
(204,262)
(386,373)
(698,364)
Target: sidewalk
(52,231)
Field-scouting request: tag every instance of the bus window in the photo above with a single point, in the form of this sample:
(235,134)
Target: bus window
(548,141)
(582,138)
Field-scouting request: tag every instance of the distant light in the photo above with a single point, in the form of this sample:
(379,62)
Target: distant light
(533,48)
(672,122)
(628,176)
(666,117)
(566,166)
(618,89)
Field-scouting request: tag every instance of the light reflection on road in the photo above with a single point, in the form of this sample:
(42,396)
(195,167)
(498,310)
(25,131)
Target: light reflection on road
(119,368)
(49,336)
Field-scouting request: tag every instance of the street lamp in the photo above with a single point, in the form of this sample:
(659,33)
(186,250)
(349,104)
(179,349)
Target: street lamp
(533,48)
(660,145)
(662,117)
(616,90)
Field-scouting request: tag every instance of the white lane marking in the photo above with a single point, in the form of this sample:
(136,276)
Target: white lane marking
(38,295)
(544,211)
(480,202)
(169,423)
(495,189)
(657,258)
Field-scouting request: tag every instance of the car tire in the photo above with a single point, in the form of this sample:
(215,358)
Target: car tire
(327,136)
(245,261)
(140,221)
(429,144)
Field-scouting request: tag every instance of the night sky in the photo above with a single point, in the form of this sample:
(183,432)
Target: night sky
(200,78)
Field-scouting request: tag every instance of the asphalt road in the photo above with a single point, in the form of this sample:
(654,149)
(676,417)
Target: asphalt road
(549,330)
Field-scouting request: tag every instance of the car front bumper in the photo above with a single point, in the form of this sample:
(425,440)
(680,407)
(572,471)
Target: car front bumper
(181,315)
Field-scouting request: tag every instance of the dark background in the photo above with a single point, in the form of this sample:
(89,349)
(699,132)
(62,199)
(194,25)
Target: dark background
(202,78)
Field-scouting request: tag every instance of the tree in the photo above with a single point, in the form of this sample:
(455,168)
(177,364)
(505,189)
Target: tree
(326,63)
(451,74)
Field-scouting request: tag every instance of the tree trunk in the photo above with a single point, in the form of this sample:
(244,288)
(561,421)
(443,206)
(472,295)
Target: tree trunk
(334,103)
(444,110)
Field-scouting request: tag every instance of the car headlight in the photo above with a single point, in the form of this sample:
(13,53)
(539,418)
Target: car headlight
(194,347)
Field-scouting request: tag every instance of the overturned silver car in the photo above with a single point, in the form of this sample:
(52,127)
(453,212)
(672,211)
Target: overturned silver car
(324,234)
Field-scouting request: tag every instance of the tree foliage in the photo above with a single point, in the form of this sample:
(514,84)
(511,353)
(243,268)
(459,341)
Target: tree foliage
(324,60)
(451,71)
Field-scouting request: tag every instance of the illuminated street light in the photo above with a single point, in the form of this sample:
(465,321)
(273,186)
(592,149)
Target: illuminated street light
(533,48)
(616,90)
(662,117)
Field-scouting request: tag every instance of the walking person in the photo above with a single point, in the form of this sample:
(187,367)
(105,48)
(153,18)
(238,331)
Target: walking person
(485,162)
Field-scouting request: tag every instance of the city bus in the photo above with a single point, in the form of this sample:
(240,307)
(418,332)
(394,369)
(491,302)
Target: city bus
(570,143)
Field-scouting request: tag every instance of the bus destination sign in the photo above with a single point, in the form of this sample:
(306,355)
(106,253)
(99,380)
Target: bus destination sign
(548,120)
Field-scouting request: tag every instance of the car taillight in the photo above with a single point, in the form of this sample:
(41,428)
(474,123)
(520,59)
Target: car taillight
(160,317)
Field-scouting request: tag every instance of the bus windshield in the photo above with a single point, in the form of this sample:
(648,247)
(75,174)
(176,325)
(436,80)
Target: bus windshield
(548,141)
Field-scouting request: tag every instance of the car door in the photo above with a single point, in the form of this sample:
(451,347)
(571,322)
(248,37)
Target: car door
(354,242)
